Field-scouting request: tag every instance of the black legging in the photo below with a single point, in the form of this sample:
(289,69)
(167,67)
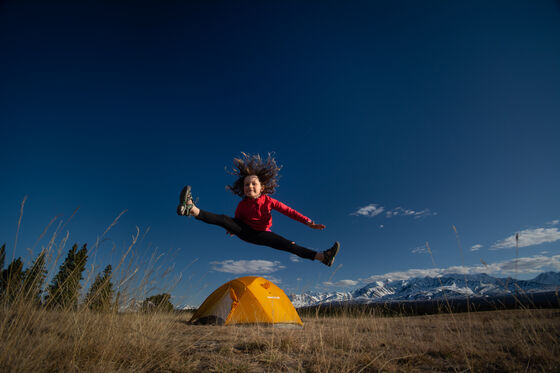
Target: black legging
(248,234)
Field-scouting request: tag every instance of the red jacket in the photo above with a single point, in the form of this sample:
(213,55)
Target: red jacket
(256,212)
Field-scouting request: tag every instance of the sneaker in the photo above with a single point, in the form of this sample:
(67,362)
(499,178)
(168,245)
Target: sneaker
(185,202)
(328,255)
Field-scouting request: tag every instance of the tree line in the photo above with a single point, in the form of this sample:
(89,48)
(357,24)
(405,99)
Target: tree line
(17,284)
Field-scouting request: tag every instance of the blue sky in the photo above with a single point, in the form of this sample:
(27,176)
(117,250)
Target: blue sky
(394,121)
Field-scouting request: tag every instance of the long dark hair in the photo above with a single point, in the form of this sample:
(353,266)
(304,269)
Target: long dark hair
(266,170)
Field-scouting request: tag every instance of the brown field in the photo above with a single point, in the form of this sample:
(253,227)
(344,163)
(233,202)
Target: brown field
(497,341)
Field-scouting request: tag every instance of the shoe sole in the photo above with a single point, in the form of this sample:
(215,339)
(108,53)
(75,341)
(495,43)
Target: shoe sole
(183,197)
(336,247)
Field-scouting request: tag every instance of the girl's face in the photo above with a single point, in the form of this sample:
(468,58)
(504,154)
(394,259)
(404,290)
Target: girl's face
(252,186)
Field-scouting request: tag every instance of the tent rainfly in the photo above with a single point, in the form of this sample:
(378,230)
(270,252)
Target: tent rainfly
(248,300)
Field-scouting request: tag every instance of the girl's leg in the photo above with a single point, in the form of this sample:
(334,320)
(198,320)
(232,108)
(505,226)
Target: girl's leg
(255,237)
(224,221)
(280,243)
(263,238)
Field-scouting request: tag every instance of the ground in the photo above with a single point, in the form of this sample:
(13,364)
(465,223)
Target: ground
(496,341)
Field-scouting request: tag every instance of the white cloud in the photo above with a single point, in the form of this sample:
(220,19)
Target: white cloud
(411,273)
(529,237)
(534,264)
(247,266)
(295,258)
(399,211)
(476,247)
(554,222)
(420,250)
(374,209)
(369,210)
(273,279)
(341,283)
(381,226)
(526,265)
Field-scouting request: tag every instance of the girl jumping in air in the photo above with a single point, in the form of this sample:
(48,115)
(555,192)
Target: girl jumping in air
(256,180)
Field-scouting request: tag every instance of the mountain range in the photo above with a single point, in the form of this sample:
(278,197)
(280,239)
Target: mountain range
(432,288)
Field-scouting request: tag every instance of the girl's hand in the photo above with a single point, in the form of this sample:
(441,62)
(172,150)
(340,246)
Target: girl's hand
(316,226)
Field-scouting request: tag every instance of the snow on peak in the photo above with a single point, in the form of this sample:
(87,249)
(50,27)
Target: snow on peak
(426,288)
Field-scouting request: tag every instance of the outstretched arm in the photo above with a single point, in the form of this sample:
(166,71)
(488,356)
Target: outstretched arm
(313,225)
(284,209)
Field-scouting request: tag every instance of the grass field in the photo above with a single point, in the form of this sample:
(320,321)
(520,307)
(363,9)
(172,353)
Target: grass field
(36,340)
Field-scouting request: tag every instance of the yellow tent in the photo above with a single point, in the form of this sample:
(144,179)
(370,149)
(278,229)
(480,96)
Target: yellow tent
(247,300)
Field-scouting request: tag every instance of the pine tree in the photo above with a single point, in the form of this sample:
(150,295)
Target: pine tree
(65,287)
(100,295)
(77,275)
(11,280)
(158,303)
(56,291)
(34,278)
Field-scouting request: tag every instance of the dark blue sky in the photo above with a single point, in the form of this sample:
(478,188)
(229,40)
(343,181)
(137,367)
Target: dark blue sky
(394,120)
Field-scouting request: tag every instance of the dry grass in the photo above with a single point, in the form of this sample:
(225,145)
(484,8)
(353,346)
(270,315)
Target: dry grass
(515,340)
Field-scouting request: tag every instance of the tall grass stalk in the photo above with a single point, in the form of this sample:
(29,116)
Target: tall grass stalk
(463,266)
(18,226)
(450,310)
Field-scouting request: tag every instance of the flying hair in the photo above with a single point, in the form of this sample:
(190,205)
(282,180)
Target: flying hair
(266,170)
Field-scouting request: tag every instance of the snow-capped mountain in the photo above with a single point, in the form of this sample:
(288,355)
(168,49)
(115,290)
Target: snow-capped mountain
(427,288)
(549,278)
(312,298)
